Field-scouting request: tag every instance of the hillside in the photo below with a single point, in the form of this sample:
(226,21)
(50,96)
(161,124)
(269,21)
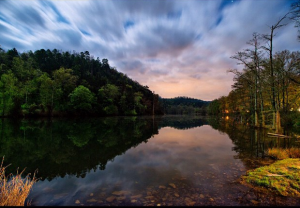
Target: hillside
(57,83)
(184,105)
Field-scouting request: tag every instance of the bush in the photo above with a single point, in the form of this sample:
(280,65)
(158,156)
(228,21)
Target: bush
(14,189)
(281,153)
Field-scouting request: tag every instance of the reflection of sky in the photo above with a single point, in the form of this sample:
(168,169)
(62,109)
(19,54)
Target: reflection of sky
(170,153)
(176,47)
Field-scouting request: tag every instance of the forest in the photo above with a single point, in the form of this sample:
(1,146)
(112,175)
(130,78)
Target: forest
(266,91)
(57,83)
(184,105)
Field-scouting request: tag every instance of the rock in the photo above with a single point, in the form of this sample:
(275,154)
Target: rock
(158,205)
(121,198)
(91,200)
(172,185)
(162,187)
(77,202)
(102,194)
(119,193)
(58,196)
(149,197)
(189,202)
(201,196)
(211,199)
(133,201)
(91,194)
(254,202)
(110,199)
(149,193)
(177,195)
(136,196)
(47,189)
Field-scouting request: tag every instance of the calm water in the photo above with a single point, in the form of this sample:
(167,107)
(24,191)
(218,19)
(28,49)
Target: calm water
(167,161)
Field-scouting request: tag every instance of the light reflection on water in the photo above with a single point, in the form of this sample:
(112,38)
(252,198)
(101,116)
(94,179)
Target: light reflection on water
(177,166)
(191,159)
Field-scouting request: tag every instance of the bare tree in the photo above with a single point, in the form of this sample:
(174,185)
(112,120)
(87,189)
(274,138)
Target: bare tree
(295,11)
(269,38)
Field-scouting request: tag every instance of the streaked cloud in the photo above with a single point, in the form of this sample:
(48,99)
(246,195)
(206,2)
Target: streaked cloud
(176,47)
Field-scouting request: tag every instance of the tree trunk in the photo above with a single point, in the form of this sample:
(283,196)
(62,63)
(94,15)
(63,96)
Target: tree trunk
(256,119)
(263,118)
(274,120)
(278,124)
(272,78)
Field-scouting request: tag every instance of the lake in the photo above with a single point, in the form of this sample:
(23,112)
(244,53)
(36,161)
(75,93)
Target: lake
(139,161)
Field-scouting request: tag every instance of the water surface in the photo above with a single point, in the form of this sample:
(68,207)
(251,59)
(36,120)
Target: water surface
(169,160)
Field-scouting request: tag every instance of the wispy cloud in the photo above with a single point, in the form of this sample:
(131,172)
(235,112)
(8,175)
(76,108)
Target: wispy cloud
(176,47)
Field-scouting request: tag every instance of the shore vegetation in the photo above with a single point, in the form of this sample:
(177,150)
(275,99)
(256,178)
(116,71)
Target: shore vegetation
(14,189)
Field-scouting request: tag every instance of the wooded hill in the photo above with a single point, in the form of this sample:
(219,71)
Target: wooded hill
(184,105)
(57,83)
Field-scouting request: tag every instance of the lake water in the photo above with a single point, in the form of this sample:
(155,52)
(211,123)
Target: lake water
(139,161)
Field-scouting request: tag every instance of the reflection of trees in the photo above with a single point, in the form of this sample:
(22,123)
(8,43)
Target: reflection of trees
(72,147)
(62,147)
(250,143)
(79,135)
(181,122)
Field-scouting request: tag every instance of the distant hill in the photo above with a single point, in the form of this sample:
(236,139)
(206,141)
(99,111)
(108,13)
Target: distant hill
(184,105)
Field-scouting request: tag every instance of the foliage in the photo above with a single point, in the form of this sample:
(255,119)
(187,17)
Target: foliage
(45,82)
(8,92)
(214,107)
(82,99)
(284,153)
(184,105)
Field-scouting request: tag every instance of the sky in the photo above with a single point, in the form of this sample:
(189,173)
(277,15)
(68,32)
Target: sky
(176,47)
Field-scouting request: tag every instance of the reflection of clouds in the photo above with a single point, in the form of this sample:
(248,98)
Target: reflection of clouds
(190,41)
(171,153)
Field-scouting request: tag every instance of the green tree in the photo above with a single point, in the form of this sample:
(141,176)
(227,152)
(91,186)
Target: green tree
(214,107)
(82,99)
(8,91)
(46,92)
(138,106)
(108,96)
(64,84)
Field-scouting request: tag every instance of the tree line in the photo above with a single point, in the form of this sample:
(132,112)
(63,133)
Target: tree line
(267,88)
(184,105)
(57,83)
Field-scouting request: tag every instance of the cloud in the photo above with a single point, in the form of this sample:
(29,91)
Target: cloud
(176,47)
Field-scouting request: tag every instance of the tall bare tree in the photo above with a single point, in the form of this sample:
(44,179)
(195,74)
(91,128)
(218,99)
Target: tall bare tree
(269,48)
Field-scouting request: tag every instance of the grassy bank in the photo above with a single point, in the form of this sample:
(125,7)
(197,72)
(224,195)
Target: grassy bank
(13,188)
(281,177)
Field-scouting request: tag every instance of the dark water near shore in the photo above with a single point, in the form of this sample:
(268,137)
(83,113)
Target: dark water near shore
(120,161)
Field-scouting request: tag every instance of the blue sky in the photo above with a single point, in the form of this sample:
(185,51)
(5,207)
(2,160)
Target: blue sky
(176,47)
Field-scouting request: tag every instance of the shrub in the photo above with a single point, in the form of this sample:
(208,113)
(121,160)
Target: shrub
(278,153)
(14,189)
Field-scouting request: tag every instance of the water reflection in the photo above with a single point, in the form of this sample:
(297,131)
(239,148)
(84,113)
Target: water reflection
(138,160)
